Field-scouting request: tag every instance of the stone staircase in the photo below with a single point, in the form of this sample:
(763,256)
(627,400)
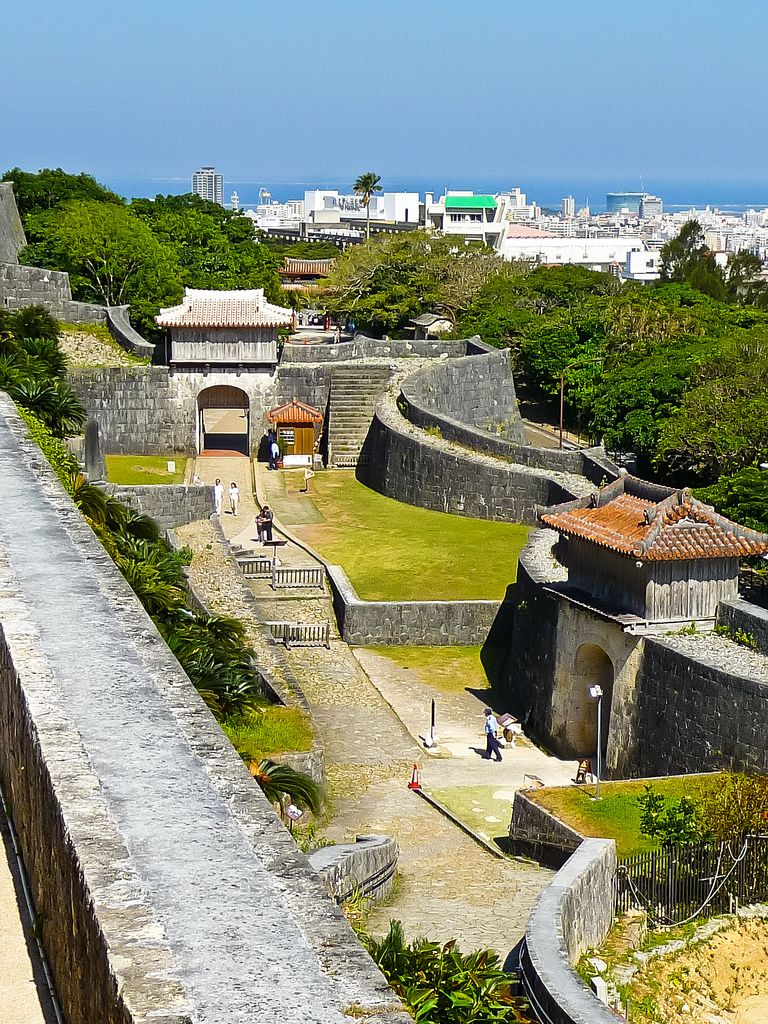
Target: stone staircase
(351,406)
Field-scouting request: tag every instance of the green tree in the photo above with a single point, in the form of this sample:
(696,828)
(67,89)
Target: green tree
(742,497)
(48,189)
(672,822)
(366,186)
(278,781)
(687,258)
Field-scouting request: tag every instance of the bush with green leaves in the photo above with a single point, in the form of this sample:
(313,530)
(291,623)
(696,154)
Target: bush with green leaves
(672,822)
(442,985)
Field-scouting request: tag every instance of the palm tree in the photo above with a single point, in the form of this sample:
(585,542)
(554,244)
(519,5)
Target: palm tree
(280,780)
(365,186)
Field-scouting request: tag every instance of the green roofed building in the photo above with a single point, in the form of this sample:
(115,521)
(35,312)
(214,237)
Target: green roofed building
(469,202)
(479,218)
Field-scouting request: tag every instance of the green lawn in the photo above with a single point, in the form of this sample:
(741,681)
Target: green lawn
(448,669)
(269,730)
(145,469)
(392,551)
(617,814)
(486,809)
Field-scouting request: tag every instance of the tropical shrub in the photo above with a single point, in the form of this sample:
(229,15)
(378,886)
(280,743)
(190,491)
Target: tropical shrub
(441,985)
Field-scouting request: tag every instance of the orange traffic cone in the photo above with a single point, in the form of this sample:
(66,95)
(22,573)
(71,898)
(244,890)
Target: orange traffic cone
(414,783)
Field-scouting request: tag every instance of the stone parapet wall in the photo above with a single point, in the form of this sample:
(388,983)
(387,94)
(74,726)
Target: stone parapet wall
(573,913)
(170,505)
(140,827)
(701,704)
(475,391)
(363,347)
(22,286)
(408,623)
(12,238)
(749,618)
(536,833)
(120,328)
(365,868)
(402,463)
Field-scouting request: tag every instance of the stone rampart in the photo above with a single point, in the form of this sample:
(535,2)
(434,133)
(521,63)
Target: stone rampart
(363,347)
(404,463)
(170,505)
(22,286)
(408,623)
(574,912)
(169,889)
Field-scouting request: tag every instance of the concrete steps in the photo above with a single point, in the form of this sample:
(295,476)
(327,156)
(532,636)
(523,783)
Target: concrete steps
(351,406)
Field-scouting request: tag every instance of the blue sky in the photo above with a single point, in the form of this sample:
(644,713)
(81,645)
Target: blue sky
(407,88)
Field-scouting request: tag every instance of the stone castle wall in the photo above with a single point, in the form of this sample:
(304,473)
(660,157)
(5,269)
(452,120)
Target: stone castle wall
(363,347)
(12,238)
(170,505)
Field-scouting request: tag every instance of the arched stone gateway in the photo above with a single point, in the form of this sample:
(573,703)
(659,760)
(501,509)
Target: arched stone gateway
(592,667)
(223,420)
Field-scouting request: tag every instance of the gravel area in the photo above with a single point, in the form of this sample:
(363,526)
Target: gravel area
(719,651)
(85,349)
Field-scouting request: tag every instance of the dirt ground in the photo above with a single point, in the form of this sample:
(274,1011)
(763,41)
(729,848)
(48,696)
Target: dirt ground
(724,979)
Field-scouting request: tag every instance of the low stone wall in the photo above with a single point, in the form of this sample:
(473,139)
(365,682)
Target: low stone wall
(406,623)
(120,328)
(749,618)
(536,833)
(366,867)
(363,347)
(402,464)
(170,505)
(574,912)
(140,828)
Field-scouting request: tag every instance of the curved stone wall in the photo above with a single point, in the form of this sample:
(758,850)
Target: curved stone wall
(120,328)
(363,347)
(402,462)
(574,912)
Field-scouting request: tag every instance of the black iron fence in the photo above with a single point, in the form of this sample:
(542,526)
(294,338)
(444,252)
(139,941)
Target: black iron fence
(676,883)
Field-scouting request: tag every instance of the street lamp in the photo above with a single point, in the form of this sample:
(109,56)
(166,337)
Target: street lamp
(597,693)
(569,366)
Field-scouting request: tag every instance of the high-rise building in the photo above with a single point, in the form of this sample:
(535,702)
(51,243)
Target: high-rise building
(650,207)
(568,207)
(616,202)
(209,185)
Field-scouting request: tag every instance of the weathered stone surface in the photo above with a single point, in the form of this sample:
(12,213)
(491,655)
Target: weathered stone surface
(749,618)
(169,889)
(120,328)
(418,623)
(12,238)
(538,834)
(574,912)
(366,867)
(170,505)
(362,347)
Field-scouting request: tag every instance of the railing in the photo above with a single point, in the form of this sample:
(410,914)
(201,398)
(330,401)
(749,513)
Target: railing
(676,883)
(305,634)
(255,566)
(298,577)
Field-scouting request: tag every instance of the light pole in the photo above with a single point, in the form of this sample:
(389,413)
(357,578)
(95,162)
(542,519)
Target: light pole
(597,692)
(569,366)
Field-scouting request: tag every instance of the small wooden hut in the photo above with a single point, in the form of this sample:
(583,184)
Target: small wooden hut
(652,551)
(298,427)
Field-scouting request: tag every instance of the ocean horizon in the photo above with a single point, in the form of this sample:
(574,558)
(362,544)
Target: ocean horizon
(731,195)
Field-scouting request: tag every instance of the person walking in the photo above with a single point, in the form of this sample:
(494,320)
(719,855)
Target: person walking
(218,495)
(491,742)
(234,497)
(274,453)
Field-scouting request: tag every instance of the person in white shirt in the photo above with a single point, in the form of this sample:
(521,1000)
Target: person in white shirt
(491,743)
(234,497)
(218,495)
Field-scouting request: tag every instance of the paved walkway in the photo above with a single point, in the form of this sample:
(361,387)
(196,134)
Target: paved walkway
(24,998)
(370,714)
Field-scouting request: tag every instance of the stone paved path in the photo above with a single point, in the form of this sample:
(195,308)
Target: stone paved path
(449,887)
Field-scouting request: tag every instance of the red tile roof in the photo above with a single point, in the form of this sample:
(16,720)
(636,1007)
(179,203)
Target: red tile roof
(655,523)
(201,308)
(294,412)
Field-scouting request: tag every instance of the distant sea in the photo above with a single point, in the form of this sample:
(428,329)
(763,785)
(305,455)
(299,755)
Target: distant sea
(732,195)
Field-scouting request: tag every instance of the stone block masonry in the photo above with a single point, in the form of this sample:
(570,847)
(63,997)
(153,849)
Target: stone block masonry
(169,889)
(170,505)
(406,623)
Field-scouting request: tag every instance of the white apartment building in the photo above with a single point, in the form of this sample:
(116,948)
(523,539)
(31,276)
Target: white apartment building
(278,215)
(209,185)
(326,206)
(568,207)
(605,254)
(479,218)
(642,265)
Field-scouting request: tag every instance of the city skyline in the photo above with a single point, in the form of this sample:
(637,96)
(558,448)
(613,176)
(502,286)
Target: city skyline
(595,89)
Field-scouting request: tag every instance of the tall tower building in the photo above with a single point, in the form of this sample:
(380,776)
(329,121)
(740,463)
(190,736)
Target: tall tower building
(209,185)
(568,207)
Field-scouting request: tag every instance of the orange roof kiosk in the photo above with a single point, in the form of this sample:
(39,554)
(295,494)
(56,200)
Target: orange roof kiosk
(298,427)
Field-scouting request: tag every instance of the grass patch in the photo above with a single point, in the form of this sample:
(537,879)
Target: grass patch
(617,814)
(448,669)
(269,730)
(392,551)
(145,469)
(476,804)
